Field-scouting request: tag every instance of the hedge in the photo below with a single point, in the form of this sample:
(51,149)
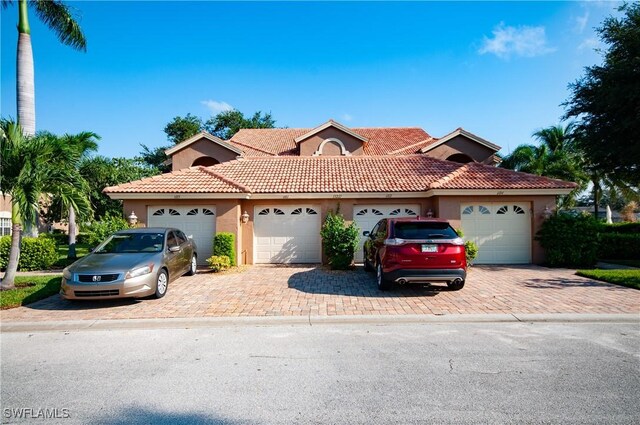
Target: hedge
(339,241)
(35,253)
(569,241)
(620,246)
(632,228)
(224,244)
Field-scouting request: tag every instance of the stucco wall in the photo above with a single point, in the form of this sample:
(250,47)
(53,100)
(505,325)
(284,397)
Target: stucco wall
(448,207)
(309,146)
(461,144)
(204,147)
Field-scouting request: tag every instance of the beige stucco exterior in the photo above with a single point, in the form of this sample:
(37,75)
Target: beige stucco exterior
(310,146)
(204,147)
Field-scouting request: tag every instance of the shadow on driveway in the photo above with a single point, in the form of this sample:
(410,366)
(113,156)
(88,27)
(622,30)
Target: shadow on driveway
(355,283)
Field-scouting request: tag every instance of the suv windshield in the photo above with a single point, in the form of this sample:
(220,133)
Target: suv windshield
(132,243)
(424,230)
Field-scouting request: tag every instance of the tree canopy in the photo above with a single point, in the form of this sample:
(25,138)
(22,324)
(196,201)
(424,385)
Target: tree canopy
(227,123)
(606,101)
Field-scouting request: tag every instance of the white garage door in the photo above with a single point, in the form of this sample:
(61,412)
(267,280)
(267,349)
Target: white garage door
(366,216)
(287,234)
(502,231)
(197,222)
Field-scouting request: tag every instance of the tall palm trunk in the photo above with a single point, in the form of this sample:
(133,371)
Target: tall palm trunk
(25,80)
(71,254)
(8,282)
(25,86)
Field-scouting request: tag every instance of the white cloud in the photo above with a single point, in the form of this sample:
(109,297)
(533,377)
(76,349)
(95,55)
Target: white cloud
(581,22)
(521,41)
(590,43)
(216,107)
(347,117)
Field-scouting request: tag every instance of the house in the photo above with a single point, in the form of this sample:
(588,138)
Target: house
(272,188)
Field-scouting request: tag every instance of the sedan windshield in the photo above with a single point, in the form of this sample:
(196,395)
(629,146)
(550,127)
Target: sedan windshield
(424,230)
(132,243)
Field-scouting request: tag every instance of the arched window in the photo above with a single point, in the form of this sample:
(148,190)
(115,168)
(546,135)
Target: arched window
(205,161)
(460,158)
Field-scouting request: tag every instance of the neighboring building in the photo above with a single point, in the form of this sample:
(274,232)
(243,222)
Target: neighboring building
(282,182)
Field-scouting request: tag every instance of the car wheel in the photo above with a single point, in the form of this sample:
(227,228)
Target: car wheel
(455,285)
(162,283)
(367,264)
(383,284)
(193,268)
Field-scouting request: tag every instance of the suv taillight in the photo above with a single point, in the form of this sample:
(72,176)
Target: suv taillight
(394,242)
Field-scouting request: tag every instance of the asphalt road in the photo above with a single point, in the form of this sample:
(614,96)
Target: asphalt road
(328,373)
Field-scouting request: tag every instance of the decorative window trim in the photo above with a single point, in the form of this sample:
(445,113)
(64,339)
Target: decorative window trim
(468,210)
(362,212)
(483,210)
(343,150)
(264,212)
(278,211)
(503,210)
(297,211)
(410,212)
(159,212)
(395,212)
(311,211)
(193,212)
(207,211)
(518,209)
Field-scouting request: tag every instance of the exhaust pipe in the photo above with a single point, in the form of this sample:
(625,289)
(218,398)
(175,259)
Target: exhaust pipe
(457,281)
(402,281)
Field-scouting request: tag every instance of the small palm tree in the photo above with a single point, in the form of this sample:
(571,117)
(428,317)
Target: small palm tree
(555,156)
(57,16)
(31,168)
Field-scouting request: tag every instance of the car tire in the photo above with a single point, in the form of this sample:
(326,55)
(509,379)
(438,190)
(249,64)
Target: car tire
(455,286)
(193,266)
(162,283)
(367,264)
(383,284)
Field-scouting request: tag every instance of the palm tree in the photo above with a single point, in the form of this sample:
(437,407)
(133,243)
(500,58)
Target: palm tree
(58,17)
(30,168)
(555,156)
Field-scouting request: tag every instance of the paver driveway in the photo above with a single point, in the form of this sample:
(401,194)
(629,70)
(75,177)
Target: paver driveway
(310,290)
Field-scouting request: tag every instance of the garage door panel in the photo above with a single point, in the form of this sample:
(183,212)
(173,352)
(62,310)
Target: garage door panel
(502,231)
(367,216)
(287,234)
(197,222)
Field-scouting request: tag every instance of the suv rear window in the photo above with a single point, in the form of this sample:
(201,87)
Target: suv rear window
(424,230)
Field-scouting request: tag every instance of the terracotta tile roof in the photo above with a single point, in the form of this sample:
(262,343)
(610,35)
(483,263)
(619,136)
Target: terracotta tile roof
(189,180)
(356,174)
(480,176)
(281,141)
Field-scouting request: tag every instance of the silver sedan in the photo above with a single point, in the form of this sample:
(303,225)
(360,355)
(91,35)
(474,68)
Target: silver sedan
(131,263)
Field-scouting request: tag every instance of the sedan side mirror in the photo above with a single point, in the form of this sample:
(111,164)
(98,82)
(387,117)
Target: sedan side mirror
(366,233)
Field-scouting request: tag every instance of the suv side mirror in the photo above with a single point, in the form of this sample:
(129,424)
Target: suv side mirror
(175,248)
(366,233)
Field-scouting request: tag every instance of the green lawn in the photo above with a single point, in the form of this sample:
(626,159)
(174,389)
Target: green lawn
(30,289)
(63,250)
(630,263)
(630,278)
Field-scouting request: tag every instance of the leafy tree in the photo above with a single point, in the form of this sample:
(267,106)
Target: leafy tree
(606,100)
(181,128)
(555,156)
(59,18)
(154,158)
(227,123)
(30,169)
(100,172)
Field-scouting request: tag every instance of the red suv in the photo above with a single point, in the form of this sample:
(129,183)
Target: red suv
(415,250)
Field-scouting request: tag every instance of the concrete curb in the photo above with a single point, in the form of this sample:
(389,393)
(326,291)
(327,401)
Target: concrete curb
(213,322)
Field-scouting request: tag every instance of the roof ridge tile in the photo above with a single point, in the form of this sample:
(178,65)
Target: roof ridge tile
(225,179)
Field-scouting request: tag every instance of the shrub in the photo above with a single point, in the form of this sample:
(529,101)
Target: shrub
(569,241)
(218,263)
(619,228)
(98,231)
(470,248)
(224,244)
(620,246)
(35,253)
(339,241)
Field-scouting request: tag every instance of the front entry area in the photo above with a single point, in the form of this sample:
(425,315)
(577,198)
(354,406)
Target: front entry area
(287,234)
(502,231)
(196,221)
(366,216)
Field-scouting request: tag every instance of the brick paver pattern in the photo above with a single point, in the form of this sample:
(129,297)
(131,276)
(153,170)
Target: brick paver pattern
(309,290)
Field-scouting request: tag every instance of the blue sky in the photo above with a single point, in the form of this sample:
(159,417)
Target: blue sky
(500,69)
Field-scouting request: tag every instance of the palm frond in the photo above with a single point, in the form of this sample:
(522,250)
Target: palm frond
(59,18)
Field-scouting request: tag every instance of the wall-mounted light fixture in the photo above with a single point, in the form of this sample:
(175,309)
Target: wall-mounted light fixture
(244,218)
(547,213)
(132,219)
(430,213)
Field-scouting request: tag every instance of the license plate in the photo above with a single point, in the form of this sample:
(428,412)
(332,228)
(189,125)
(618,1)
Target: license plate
(429,248)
